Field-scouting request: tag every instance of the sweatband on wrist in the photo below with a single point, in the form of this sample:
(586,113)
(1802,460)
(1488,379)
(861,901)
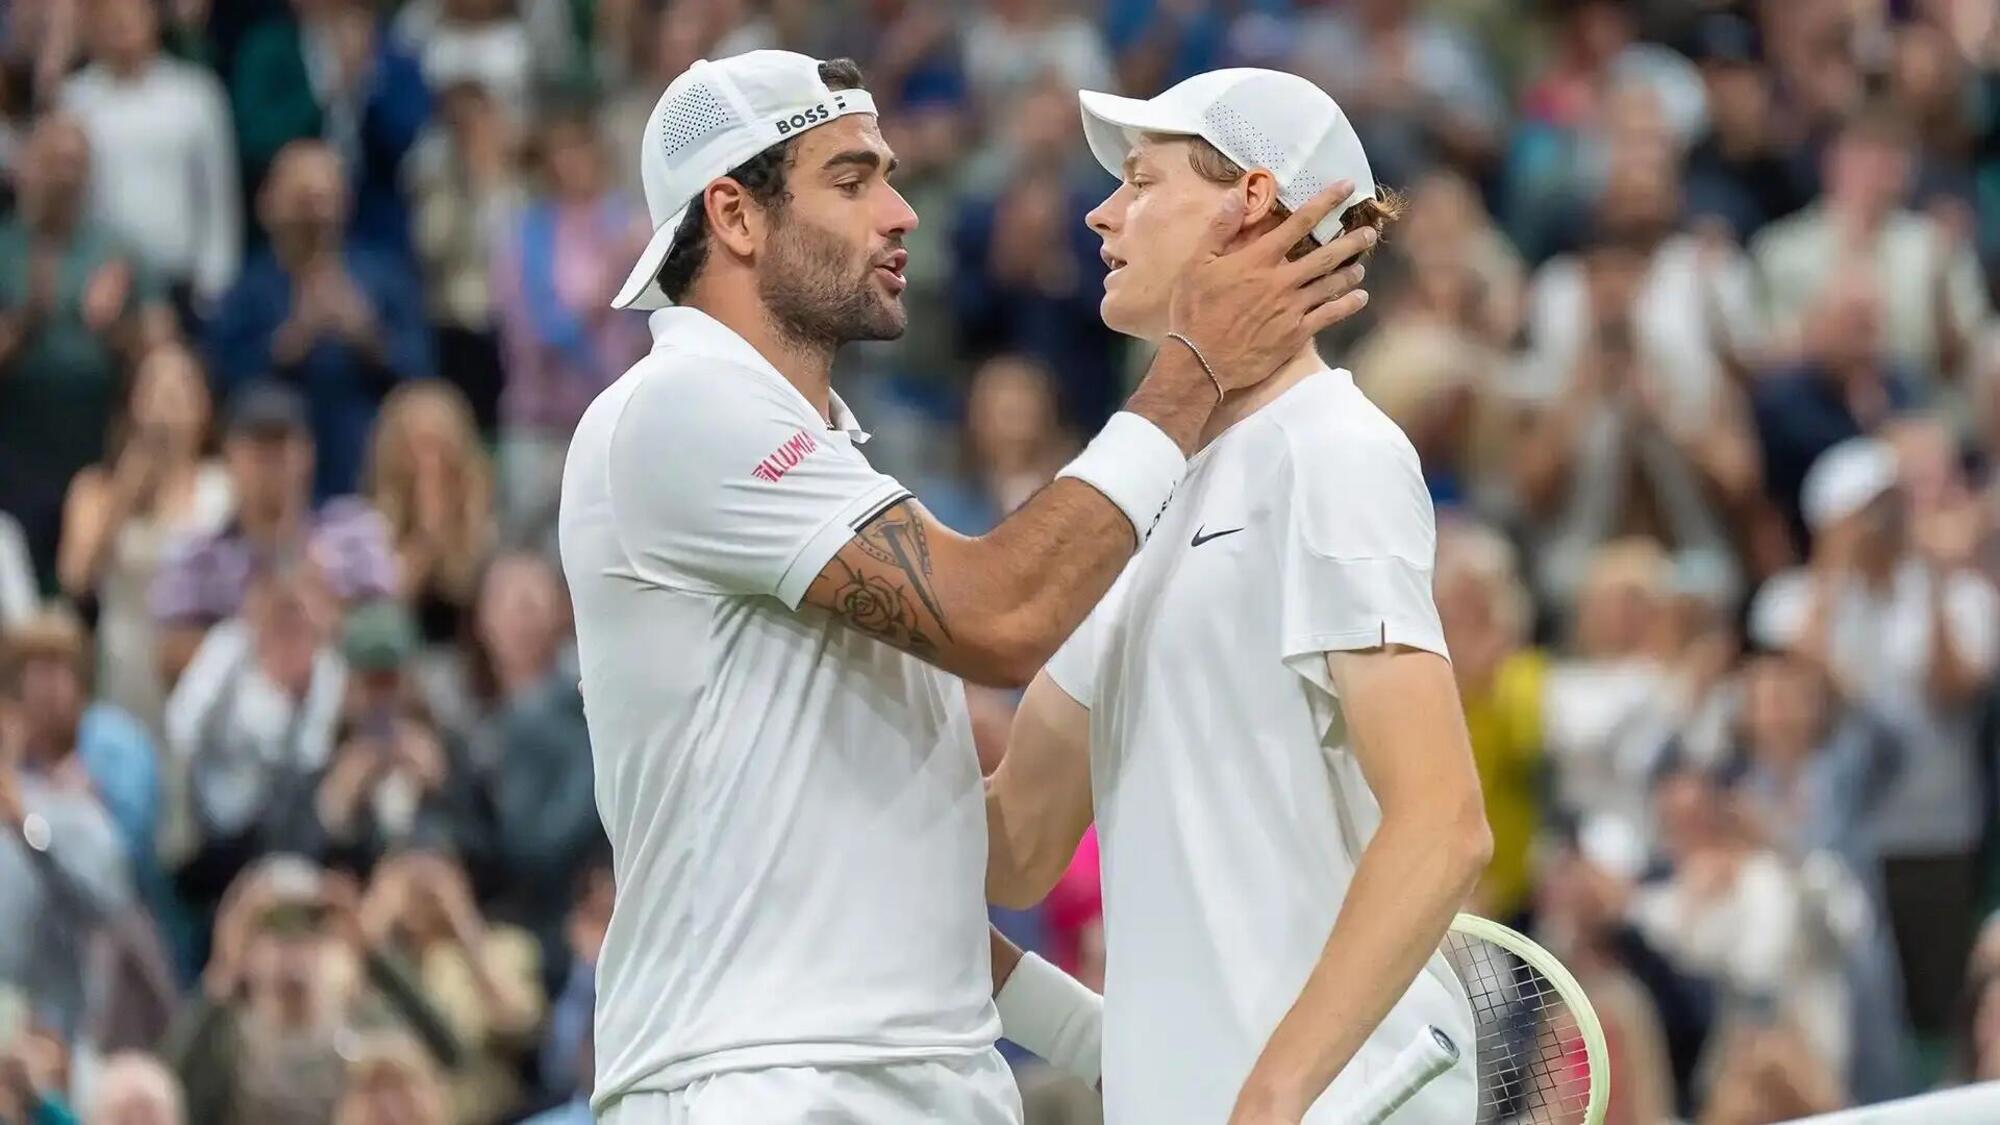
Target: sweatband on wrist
(1051,1013)
(1135,465)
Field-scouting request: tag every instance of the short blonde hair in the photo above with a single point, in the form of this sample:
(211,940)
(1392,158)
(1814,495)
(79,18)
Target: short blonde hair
(51,633)
(1470,549)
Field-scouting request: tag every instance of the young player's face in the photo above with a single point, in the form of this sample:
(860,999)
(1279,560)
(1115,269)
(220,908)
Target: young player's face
(1150,227)
(832,268)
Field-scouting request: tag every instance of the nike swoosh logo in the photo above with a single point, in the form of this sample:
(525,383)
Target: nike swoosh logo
(1199,538)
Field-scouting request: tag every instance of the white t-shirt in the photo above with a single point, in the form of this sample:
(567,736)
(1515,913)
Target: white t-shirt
(1881,643)
(1229,811)
(795,810)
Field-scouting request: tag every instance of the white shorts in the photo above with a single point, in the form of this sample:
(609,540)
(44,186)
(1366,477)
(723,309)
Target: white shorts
(973,1090)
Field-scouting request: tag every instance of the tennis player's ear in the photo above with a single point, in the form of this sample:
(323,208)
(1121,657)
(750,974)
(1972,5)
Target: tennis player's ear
(733,219)
(1260,196)
(1223,225)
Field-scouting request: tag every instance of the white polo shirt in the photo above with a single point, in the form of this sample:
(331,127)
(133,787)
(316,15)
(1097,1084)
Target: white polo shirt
(795,810)
(1229,811)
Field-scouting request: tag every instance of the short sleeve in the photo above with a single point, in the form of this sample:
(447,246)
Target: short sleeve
(723,480)
(1355,569)
(1074,667)
(1972,609)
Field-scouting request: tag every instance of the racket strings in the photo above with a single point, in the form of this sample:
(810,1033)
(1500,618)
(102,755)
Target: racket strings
(1528,1048)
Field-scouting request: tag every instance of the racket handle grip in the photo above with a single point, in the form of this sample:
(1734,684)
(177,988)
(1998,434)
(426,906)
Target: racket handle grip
(1429,1054)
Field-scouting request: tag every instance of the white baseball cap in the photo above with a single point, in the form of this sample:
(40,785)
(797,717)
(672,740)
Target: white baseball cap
(1846,479)
(1258,118)
(713,117)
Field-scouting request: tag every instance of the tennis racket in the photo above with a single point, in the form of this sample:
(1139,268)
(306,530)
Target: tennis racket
(1538,1045)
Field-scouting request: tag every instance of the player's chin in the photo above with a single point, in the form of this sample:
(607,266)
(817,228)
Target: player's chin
(887,321)
(1121,317)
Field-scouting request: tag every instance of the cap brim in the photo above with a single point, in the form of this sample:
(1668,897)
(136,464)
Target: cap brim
(1110,120)
(642,286)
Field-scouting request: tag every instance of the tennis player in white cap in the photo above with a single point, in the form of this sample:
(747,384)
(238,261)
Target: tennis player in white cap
(769,628)
(1261,716)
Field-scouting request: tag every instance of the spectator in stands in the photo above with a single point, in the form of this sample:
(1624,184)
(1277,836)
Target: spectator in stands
(1932,299)
(483,979)
(1654,1018)
(1464,271)
(395,779)
(1741,172)
(62,872)
(1929,83)
(268,451)
(1845,386)
(1488,618)
(1619,439)
(1891,609)
(1814,774)
(464,184)
(1731,909)
(1424,372)
(360,94)
(73,304)
(429,478)
(1816,770)
(1012,45)
(1608,706)
(135,1089)
(324,312)
(1027,276)
(483,43)
(164,153)
(391,1081)
(156,486)
(1015,443)
(253,721)
(92,747)
(565,1045)
(292,977)
(555,274)
(532,749)
(1416,89)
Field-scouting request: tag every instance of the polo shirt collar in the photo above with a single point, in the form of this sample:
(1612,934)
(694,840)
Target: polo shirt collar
(696,330)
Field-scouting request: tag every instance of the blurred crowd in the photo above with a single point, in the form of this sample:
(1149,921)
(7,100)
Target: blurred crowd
(1690,317)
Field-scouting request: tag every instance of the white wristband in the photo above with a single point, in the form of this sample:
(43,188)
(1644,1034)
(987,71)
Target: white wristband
(1052,1014)
(1135,465)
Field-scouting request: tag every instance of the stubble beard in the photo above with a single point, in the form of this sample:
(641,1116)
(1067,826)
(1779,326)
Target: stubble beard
(818,299)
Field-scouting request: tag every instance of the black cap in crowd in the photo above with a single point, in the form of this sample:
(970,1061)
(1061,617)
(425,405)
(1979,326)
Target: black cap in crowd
(266,410)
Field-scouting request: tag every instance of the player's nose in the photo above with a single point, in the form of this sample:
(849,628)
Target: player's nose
(901,218)
(1099,218)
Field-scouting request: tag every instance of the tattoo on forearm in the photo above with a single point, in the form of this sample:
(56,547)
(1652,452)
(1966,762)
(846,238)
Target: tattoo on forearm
(883,607)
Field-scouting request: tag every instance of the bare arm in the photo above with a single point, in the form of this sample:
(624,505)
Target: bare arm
(91,512)
(1407,730)
(1004,955)
(1038,802)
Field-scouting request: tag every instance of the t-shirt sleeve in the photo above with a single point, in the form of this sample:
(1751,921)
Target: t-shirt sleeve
(1355,565)
(723,482)
(1972,609)
(1074,667)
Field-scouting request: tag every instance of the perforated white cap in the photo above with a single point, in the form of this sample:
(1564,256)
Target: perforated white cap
(713,117)
(1258,118)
